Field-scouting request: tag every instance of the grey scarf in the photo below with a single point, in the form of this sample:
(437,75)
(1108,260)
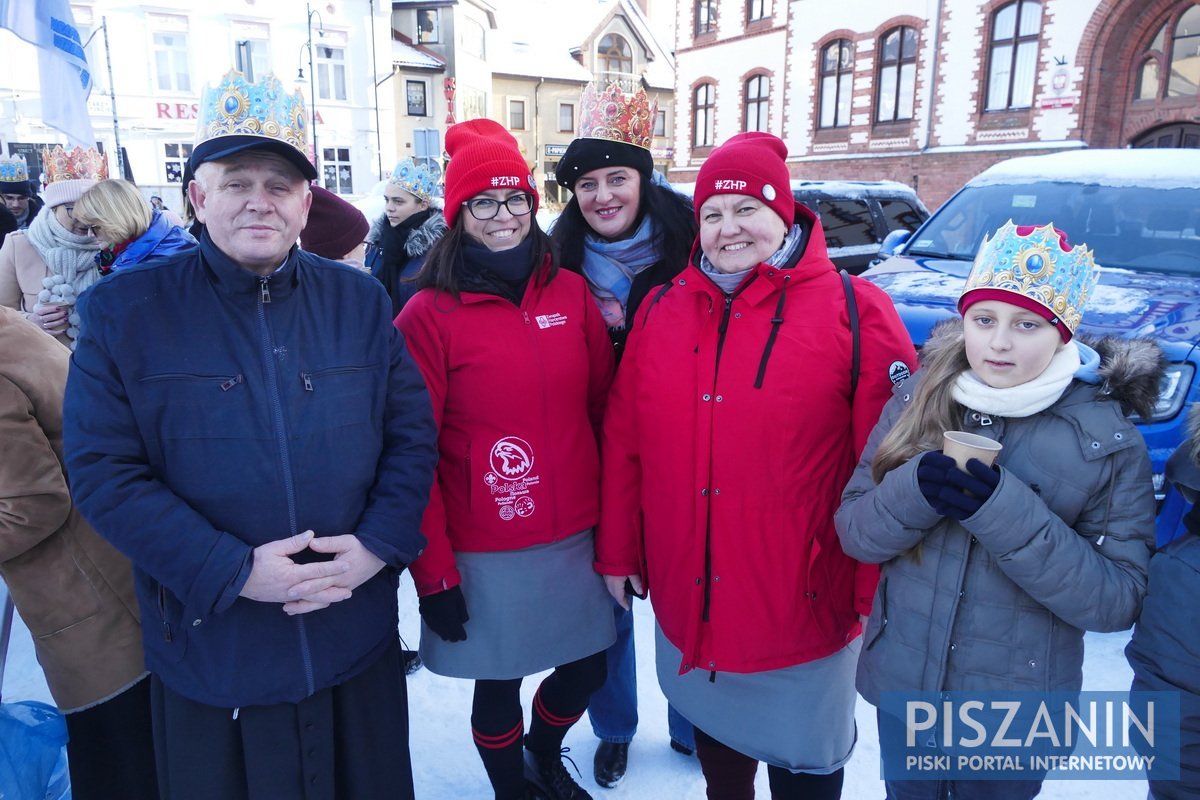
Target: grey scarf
(70,263)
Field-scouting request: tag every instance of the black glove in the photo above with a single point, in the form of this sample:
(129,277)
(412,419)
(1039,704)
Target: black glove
(445,613)
(931,477)
(967,491)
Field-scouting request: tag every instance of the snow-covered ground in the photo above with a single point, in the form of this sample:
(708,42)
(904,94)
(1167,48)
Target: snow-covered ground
(447,768)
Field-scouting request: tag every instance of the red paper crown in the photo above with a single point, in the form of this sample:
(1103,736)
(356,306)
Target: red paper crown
(611,115)
(79,164)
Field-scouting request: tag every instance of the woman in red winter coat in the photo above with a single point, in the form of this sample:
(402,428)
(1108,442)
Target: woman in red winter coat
(518,365)
(741,406)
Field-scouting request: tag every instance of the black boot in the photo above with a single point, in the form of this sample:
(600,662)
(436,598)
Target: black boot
(610,763)
(547,772)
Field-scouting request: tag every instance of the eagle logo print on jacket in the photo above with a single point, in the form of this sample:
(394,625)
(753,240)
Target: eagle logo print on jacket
(511,459)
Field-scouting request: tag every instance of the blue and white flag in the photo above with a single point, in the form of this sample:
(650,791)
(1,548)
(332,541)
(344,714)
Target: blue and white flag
(66,80)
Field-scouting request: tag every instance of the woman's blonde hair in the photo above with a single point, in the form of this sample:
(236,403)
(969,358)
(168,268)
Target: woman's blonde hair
(933,409)
(116,209)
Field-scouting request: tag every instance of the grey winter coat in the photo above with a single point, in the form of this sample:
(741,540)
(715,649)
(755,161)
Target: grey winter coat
(1000,601)
(398,271)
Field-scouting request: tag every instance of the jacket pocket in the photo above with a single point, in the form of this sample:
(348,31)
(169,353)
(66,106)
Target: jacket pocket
(882,619)
(335,397)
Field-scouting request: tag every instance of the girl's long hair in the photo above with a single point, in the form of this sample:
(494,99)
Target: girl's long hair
(933,409)
(442,263)
(674,226)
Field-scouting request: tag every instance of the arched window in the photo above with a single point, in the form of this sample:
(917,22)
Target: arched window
(615,59)
(897,74)
(756,98)
(1016,28)
(1185,55)
(837,83)
(1184,134)
(703,107)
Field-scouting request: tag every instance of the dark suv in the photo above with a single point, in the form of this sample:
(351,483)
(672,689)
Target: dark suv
(856,215)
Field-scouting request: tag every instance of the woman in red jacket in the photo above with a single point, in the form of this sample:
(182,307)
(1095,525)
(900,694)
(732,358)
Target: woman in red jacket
(743,401)
(518,365)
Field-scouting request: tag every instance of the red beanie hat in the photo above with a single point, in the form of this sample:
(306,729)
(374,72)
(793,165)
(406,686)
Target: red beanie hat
(334,226)
(483,156)
(751,164)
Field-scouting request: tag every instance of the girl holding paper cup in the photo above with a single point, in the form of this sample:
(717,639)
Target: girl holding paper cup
(990,576)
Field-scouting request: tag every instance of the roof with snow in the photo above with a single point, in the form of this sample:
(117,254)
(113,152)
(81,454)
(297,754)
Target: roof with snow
(407,56)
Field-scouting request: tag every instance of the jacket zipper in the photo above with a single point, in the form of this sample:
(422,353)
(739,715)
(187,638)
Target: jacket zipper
(547,438)
(226,382)
(162,612)
(307,377)
(264,297)
(722,328)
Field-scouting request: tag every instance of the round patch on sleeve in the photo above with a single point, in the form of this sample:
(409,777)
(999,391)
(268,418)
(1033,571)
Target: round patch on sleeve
(898,372)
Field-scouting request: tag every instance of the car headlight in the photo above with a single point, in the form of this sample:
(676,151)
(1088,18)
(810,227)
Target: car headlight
(1172,391)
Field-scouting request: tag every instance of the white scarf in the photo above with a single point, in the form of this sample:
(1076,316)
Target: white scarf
(70,261)
(1023,400)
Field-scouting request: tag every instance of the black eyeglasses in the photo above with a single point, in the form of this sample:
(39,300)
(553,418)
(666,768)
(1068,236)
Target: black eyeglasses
(483,208)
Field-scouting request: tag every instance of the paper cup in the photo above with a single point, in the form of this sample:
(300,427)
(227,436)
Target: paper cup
(963,446)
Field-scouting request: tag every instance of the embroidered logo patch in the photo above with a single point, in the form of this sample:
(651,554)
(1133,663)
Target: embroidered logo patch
(898,372)
(550,320)
(510,481)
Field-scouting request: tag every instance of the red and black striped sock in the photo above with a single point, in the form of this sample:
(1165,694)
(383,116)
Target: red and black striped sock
(497,725)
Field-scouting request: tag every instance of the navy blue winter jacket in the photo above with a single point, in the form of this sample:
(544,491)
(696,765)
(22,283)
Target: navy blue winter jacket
(210,410)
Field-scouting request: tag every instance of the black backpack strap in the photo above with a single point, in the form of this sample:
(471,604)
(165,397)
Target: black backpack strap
(852,310)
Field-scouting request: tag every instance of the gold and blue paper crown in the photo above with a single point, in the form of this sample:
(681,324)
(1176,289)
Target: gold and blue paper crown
(14,170)
(1036,263)
(237,107)
(419,180)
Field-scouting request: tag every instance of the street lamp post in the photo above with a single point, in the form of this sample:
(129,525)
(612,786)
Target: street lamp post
(312,83)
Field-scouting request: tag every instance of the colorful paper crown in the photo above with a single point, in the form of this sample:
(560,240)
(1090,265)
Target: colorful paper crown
(14,170)
(420,180)
(236,107)
(77,165)
(1038,264)
(611,115)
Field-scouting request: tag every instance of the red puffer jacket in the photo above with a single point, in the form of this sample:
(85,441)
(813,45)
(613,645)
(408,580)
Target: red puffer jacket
(727,443)
(518,394)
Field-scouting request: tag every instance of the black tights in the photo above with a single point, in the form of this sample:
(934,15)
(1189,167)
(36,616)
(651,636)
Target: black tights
(497,720)
(729,775)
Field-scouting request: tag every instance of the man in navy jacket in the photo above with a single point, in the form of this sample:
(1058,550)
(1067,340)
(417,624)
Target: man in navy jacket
(244,422)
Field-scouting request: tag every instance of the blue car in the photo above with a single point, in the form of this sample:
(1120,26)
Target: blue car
(1139,211)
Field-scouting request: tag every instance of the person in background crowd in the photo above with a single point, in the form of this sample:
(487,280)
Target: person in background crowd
(630,233)
(1165,649)
(8,224)
(518,366)
(17,190)
(46,267)
(335,229)
(245,424)
(156,203)
(744,397)
(1014,561)
(411,224)
(73,589)
(128,229)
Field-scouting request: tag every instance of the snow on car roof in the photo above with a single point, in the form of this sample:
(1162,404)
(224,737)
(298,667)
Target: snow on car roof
(1158,168)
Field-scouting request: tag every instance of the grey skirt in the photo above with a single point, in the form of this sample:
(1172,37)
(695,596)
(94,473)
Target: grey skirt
(531,610)
(800,718)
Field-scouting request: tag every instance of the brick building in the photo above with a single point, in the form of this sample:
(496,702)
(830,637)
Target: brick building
(931,92)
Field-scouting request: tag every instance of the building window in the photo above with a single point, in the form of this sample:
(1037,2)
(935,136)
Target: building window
(171,62)
(428,26)
(837,82)
(1182,71)
(175,156)
(416,94)
(331,73)
(615,60)
(516,115)
(252,58)
(660,123)
(706,16)
(704,106)
(473,103)
(897,75)
(566,118)
(1013,57)
(338,173)
(756,99)
(757,9)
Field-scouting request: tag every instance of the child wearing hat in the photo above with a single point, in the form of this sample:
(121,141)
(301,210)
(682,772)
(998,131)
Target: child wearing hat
(991,574)
(518,365)
(733,425)
(410,225)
